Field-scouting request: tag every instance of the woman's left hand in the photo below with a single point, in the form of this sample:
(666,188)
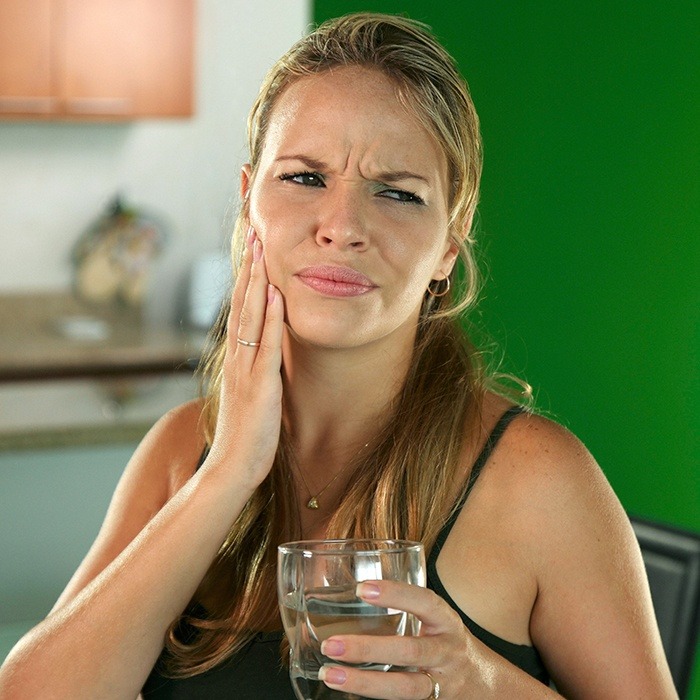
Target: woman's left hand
(445,650)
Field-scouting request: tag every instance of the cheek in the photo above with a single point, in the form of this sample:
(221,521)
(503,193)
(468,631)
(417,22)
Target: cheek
(260,213)
(273,234)
(266,221)
(272,216)
(417,256)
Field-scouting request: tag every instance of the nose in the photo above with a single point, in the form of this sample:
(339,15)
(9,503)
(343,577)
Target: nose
(342,221)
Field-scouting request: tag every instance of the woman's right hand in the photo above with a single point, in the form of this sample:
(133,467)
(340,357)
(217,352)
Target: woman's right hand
(250,400)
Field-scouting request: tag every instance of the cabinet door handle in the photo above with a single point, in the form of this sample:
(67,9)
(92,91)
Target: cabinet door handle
(99,105)
(35,105)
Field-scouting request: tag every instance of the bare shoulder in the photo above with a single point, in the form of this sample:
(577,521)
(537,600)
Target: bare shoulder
(540,462)
(557,491)
(173,446)
(534,457)
(161,464)
(544,489)
(546,447)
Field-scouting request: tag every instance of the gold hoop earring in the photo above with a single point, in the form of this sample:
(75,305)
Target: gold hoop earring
(437,295)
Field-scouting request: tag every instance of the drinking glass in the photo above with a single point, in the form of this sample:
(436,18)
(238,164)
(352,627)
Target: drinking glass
(316,582)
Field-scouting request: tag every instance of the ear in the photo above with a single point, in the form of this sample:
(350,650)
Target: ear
(447,262)
(246,176)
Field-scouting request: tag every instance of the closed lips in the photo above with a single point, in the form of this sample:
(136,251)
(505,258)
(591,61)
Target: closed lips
(336,281)
(337,274)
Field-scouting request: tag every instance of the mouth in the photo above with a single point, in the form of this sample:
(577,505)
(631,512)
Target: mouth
(336,281)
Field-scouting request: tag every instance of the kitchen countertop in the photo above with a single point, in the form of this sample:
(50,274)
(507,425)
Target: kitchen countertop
(74,374)
(105,341)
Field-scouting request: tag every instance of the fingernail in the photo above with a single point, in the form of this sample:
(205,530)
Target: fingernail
(332,675)
(367,591)
(271,291)
(257,250)
(250,237)
(333,647)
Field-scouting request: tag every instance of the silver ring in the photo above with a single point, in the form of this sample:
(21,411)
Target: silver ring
(435,694)
(247,343)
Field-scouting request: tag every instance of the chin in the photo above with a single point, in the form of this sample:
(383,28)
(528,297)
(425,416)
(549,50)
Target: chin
(345,330)
(322,333)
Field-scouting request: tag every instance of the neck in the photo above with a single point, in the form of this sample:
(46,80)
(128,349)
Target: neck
(336,399)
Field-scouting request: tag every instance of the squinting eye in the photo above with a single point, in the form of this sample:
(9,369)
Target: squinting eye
(306,178)
(402,196)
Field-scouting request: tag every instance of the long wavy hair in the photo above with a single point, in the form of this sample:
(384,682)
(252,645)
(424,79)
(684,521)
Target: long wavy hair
(402,482)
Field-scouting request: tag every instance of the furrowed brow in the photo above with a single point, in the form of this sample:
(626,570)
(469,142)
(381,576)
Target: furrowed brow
(387,176)
(310,163)
(396,175)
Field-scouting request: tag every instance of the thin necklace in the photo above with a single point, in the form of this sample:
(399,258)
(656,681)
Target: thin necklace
(313,503)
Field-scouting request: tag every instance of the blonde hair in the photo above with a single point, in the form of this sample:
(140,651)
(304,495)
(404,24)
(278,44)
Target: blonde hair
(402,482)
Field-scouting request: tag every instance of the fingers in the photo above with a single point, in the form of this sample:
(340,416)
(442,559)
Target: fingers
(251,318)
(256,319)
(377,684)
(397,651)
(435,615)
(440,645)
(270,350)
(240,287)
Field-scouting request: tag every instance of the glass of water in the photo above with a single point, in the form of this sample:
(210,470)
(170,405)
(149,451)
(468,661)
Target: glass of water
(316,582)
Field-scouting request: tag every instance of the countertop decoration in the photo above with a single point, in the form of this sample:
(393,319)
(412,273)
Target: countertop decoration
(87,365)
(112,258)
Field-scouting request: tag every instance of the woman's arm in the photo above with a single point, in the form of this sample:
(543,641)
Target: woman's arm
(107,629)
(592,619)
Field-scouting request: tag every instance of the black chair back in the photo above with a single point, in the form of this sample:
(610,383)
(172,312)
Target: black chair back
(672,561)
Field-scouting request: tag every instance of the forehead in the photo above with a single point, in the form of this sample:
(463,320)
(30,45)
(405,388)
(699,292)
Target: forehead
(351,109)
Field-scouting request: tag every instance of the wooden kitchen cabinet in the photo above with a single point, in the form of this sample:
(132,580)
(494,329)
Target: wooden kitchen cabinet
(96,60)
(25,57)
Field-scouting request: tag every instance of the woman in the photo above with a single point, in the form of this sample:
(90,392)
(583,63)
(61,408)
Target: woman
(344,401)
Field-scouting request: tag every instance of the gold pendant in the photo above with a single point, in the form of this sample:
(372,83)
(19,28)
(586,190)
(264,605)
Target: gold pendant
(312,503)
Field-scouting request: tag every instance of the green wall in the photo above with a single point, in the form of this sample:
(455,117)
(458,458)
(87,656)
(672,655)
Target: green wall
(590,221)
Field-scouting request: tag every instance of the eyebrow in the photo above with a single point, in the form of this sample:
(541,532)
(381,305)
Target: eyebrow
(309,162)
(395,175)
(387,176)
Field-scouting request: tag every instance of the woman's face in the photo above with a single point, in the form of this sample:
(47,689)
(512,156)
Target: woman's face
(350,201)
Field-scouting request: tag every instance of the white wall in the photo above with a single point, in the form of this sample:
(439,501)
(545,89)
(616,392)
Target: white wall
(56,178)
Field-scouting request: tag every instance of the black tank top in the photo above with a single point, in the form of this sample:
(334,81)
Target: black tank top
(257,670)
(525,657)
